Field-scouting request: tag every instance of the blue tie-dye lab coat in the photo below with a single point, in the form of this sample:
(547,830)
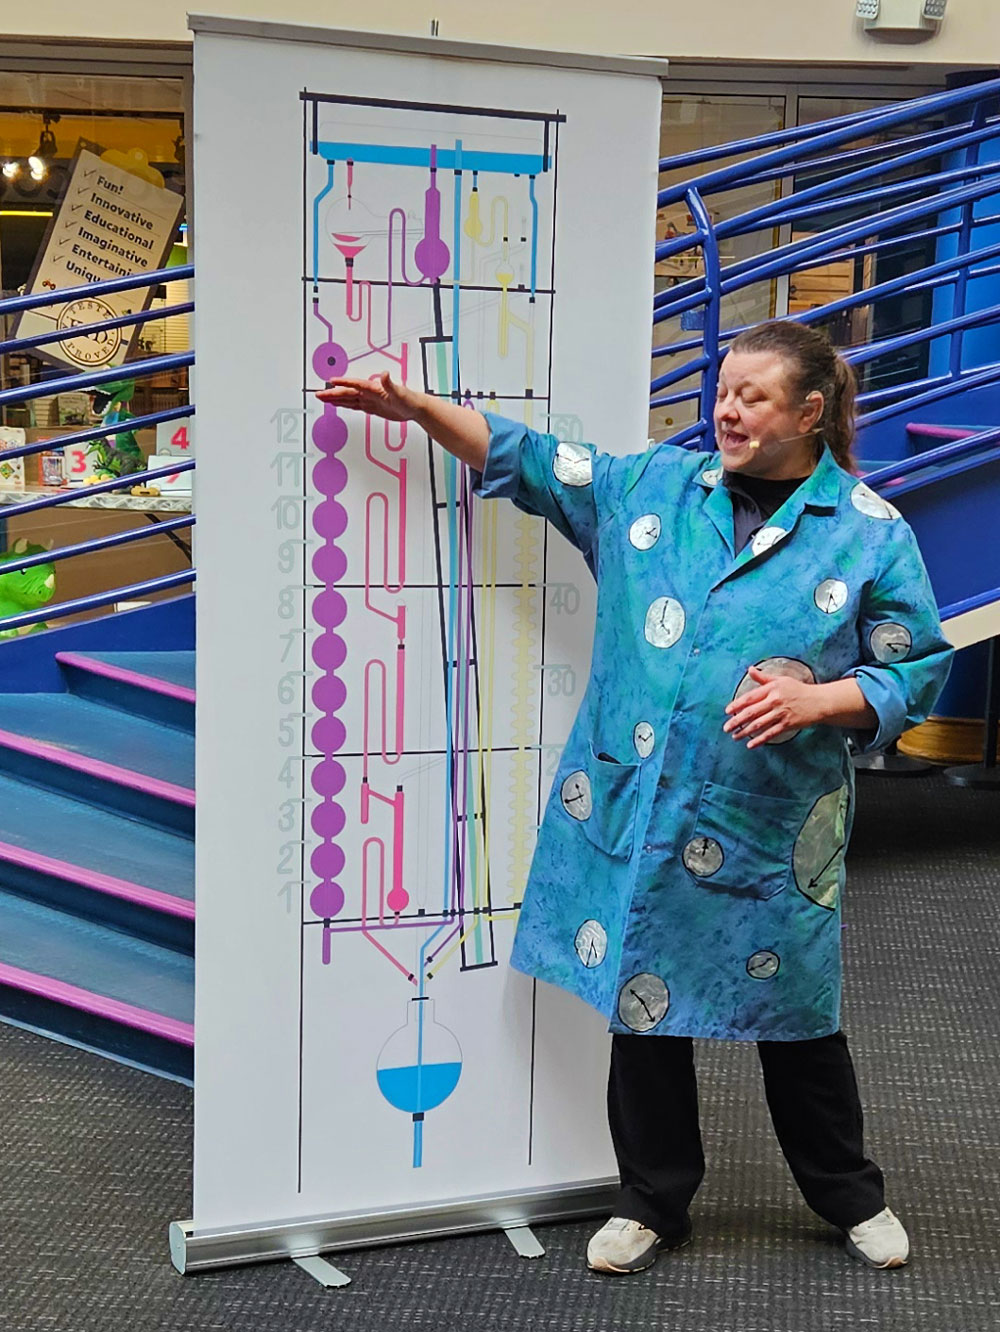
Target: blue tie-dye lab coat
(683,884)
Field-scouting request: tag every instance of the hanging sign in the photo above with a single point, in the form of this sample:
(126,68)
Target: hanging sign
(114,220)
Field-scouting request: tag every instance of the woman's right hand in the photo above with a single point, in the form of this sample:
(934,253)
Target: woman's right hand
(462,432)
(376,397)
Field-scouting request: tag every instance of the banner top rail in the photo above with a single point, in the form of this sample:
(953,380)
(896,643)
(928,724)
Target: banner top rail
(217,25)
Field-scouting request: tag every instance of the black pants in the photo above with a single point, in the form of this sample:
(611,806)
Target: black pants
(813,1097)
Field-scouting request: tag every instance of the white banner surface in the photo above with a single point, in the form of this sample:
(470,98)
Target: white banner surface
(387,668)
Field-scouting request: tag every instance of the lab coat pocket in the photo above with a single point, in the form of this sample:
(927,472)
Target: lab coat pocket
(742,843)
(615,788)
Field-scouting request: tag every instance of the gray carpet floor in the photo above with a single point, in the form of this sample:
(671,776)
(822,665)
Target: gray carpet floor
(95,1158)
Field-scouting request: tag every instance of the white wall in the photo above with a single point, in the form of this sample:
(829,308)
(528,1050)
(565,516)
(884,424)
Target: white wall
(801,31)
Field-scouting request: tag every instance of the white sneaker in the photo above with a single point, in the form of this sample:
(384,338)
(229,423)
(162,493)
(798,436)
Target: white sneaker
(880,1242)
(623,1246)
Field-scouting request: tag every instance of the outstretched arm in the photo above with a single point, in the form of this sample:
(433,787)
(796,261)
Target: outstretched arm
(461,431)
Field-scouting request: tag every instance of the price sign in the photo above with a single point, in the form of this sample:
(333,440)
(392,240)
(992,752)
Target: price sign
(78,465)
(174,437)
(176,482)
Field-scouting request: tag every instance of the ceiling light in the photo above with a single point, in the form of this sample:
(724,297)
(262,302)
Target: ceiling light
(46,150)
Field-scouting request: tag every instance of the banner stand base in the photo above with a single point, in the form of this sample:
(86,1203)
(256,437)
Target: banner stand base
(322,1271)
(193,1250)
(525,1242)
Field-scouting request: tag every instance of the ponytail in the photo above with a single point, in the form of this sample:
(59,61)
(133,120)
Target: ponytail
(837,421)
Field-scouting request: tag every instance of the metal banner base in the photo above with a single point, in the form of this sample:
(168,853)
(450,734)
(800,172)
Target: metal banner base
(197,1251)
(525,1242)
(322,1271)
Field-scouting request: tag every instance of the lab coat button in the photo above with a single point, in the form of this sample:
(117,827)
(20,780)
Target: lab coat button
(696,652)
(648,849)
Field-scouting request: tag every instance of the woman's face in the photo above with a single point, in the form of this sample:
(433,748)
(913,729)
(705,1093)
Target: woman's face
(756,404)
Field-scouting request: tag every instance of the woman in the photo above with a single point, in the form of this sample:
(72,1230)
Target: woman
(755,607)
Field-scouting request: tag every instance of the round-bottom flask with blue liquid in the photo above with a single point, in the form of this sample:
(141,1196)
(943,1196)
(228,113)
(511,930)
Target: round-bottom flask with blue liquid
(419,1067)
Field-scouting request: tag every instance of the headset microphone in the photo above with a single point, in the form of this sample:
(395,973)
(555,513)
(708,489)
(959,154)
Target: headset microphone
(755,443)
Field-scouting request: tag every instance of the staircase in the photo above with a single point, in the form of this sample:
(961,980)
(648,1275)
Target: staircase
(97,856)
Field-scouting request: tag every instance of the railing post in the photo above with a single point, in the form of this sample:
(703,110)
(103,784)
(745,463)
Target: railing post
(713,311)
(964,245)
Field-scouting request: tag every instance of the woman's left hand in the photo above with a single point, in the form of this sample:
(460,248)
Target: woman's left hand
(780,703)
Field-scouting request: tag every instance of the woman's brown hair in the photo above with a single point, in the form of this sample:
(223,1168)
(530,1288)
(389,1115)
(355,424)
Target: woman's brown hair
(815,366)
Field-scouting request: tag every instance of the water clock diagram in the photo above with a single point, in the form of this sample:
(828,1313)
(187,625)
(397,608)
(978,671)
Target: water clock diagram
(428,253)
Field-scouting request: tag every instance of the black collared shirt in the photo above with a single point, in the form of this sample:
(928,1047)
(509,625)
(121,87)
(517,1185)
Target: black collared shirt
(755,499)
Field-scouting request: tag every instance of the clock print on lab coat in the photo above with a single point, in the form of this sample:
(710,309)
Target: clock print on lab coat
(645,531)
(591,943)
(713,874)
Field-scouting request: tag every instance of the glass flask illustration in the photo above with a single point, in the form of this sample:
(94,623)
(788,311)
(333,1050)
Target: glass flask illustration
(419,1067)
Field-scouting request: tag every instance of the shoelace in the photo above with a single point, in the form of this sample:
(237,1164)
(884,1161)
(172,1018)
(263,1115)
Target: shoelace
(876,1223)
(624,1224)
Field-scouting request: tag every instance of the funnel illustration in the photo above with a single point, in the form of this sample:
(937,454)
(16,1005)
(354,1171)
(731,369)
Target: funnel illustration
(352,226)
(419,1067)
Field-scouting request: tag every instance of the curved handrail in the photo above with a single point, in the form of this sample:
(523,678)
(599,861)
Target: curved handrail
(98,432)
(866,296)
(61,382)
(775,263)
(865,204)
(981,599)
(829,134)
(149,365)
(98,599)
(157,277)
(933,458)
(800,204)
(104,325)
(131,534)
(98,488)
(968,379)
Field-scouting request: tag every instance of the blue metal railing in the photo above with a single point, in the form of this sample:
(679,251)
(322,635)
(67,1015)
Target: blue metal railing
(886,205)
(48,384)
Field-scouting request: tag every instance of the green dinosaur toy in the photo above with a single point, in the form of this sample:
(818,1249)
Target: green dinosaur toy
(118,454)
(25,589)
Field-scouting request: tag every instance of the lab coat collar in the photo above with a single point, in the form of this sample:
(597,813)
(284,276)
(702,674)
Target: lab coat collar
(820,493)
(820,490)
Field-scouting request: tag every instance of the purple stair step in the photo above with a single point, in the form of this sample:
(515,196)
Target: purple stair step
(82,964)
(95,841)
(144,670)
(103,740)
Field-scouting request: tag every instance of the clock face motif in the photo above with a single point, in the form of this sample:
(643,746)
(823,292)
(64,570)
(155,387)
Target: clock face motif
(819,848)
(712,476)
(90,349)
(572,465)
(798,670)
(766,538)
(576,796)
(644,738)
(763,965)
(591,943)
(664,622)
(703,856)
(890,641)
(643,1002)
(867,502)
(645,531)
(830,595)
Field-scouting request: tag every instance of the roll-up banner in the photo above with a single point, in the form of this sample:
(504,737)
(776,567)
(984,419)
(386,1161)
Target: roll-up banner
(387,666)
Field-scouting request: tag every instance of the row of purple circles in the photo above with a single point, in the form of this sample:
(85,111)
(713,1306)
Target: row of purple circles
(329,650)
